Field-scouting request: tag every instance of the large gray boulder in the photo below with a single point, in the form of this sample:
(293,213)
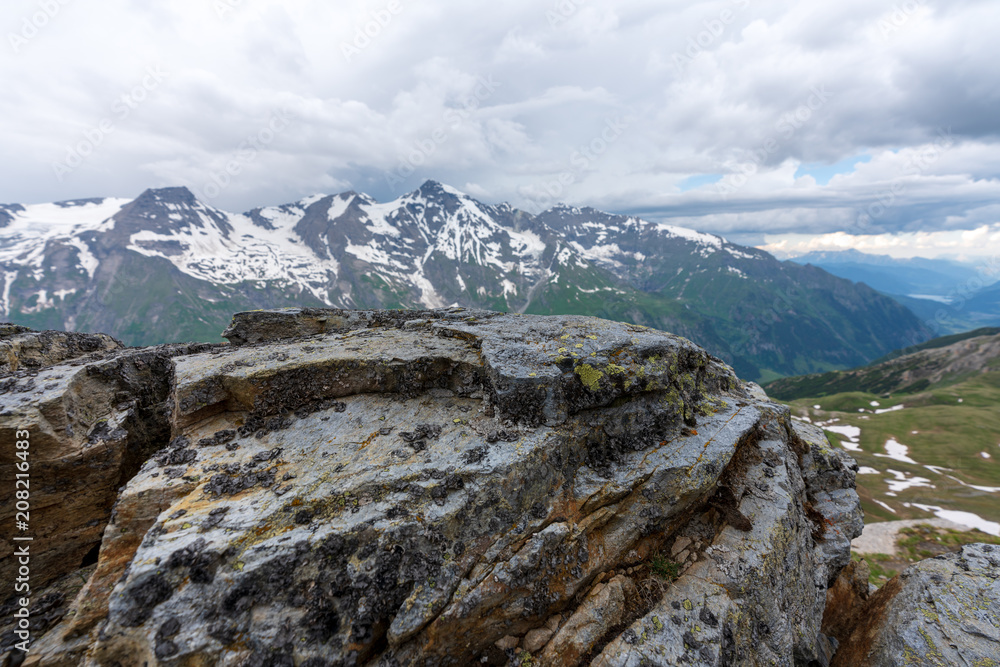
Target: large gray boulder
(940,611)
(454,487)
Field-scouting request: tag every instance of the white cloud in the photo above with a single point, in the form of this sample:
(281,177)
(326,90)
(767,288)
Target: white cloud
(715,88)
(980,242)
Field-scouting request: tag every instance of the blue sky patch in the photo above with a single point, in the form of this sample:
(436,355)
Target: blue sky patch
(698,180)
(824,172)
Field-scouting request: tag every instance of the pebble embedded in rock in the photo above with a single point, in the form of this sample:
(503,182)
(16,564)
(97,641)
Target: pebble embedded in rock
(680,544)
(536,639)
(507,643)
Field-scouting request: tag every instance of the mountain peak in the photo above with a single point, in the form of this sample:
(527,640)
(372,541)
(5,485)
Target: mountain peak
(73,203)
(173,195)
(167,211)
(431,188)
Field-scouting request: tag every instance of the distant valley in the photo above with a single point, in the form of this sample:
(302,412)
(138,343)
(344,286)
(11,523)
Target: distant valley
(950,297)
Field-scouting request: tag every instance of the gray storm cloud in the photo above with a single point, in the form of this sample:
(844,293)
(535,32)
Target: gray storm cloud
(736,116)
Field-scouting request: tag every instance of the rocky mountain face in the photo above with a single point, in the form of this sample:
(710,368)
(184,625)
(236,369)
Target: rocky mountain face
(445,487)
(167,267)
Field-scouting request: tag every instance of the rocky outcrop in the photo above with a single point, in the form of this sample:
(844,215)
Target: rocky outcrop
(27,351)
(442,487)
(94,412)
(796,495)
(940,611)
(847,600)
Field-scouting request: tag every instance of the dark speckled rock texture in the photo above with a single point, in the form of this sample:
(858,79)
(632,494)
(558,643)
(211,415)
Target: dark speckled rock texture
(445,488)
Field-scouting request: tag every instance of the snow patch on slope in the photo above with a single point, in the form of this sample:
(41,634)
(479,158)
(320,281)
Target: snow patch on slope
(897,452)
(249,254)
(691,235)
(24,240)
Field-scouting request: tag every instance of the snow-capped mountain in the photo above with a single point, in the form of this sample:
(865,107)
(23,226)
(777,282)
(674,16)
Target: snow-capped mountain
(166,266)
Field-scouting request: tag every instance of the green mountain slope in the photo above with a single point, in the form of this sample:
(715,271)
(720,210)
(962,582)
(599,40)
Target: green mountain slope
(924,427)
(935,362)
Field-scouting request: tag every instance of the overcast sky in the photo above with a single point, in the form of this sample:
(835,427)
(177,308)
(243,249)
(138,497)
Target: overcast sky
(859,123)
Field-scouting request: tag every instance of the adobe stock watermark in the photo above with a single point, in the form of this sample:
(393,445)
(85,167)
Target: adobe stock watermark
(121,109)
(918,163)
(453,118)
(32,25)
(366,33)
(22,541)
(224,7)
(714,29)
(246,153)
(785,129)
(581,160)
(901,14)
(562,11)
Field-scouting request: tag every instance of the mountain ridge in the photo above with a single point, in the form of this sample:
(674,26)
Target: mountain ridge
(166,266)
(908,371)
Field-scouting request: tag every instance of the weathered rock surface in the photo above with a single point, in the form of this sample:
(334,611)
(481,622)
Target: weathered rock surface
(340,488)
(940,611)
(94,412)
(603,609)
(22,349)
(847,600)
(757,594)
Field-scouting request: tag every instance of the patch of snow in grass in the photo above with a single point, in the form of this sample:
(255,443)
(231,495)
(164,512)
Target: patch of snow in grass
(986,489)
(964,518)
(894,408)
(875,404)
(897,452)
(865,470)
(852,433)
(879,502)
(904,482)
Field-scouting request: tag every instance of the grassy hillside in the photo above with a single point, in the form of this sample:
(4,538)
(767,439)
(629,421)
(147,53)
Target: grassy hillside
(917,543)
(938,343)
(909,371)
(934,443)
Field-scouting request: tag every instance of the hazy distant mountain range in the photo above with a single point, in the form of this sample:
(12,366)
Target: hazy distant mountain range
(167,267)
(949,296)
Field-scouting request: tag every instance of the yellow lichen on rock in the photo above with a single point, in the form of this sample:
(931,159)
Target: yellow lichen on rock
(590,376)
